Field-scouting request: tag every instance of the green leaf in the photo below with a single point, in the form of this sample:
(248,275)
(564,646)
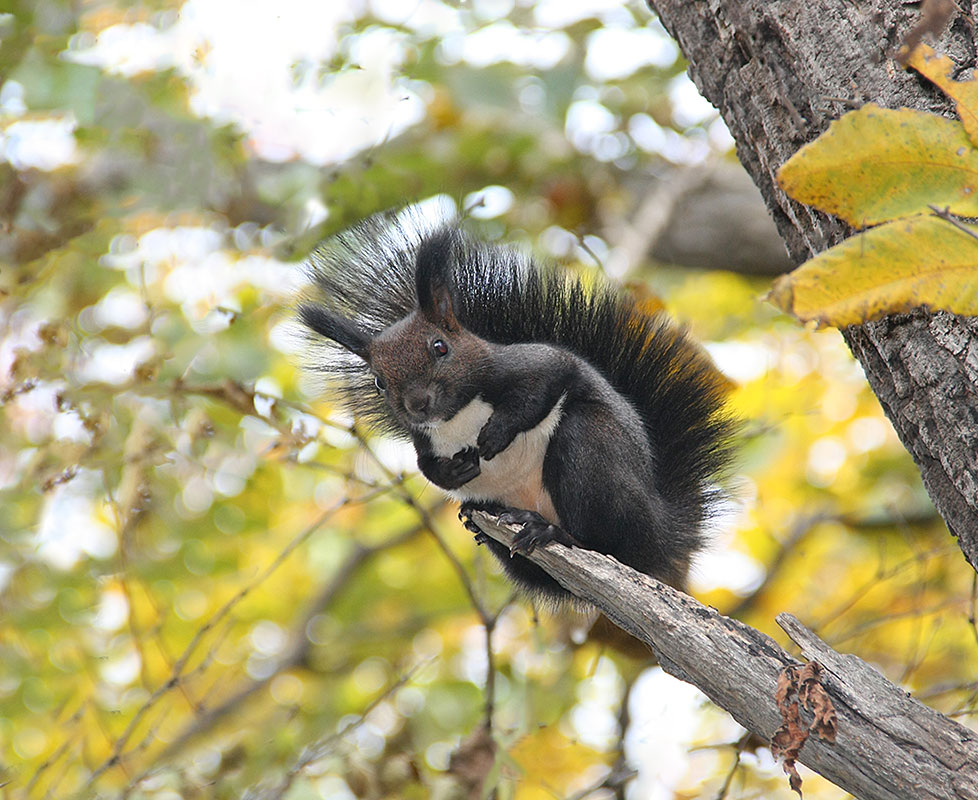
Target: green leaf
(920,261)
(875,164)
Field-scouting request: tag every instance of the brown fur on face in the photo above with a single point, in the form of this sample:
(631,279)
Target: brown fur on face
(422,385)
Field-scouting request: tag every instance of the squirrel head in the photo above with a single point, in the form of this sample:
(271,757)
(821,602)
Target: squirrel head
(427,365)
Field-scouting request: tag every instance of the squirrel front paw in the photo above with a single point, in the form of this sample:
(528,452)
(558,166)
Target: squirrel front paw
(493,439)
(451,473)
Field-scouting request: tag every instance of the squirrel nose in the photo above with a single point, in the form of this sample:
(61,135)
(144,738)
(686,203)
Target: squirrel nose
(417,403)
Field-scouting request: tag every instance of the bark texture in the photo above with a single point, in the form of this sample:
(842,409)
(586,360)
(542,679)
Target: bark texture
(888,747)
(780,71)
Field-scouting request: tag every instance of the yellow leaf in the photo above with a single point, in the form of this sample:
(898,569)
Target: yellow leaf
(876,164)
(550,760)
(920,261)
(937,69)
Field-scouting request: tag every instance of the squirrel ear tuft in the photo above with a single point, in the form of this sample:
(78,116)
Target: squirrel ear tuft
(341,330)
(433,279)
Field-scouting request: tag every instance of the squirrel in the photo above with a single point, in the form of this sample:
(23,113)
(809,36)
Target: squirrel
(559,406)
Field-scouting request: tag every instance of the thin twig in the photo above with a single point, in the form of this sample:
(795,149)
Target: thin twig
(739,746)
(299,651)
(179,667)
(320,748)
(973,612)
(945,214)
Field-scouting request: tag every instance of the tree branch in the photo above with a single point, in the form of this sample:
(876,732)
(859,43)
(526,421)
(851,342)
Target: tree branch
(703,217)
(889,746)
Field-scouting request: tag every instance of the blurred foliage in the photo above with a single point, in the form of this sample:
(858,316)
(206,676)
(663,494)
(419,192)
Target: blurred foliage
(213,584)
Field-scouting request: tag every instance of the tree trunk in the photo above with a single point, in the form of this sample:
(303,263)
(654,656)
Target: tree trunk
(780,71)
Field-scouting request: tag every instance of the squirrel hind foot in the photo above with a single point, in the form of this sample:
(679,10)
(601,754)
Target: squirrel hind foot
(536,531)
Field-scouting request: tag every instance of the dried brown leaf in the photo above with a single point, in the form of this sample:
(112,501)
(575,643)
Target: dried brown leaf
(800,684)
(787,685)
(813,697)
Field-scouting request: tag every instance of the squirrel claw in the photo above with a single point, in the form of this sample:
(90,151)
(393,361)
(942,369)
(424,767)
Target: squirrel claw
(470,526)
(454,472)
(493,440)
(535,532)
(465,517)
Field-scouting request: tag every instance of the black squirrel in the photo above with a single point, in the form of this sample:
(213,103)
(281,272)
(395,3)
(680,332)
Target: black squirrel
(557,405)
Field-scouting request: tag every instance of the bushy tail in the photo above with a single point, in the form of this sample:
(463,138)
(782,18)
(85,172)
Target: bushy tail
(368,273)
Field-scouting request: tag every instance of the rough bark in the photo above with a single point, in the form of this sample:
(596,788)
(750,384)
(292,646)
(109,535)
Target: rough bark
(888,747)
(780,71)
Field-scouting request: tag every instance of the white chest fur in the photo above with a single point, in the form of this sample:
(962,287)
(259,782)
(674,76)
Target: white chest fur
(515,476)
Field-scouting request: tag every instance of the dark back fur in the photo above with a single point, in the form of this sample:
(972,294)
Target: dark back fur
(369,274)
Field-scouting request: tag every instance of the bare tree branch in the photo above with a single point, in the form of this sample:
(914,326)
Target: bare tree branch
(704,217)
(889,746)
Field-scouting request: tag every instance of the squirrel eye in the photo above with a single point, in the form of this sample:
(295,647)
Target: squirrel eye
(440,348)
(379,383)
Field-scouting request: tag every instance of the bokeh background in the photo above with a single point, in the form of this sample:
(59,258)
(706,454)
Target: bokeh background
(212,583)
